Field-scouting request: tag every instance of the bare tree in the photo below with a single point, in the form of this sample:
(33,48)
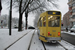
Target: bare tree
(4,18)
(31,6)
(48,6)
(38,6)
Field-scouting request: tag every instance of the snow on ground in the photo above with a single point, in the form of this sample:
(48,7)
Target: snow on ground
(71,33)
(23,43)
(6,40)
(36,43)
(67,45)
(55,46)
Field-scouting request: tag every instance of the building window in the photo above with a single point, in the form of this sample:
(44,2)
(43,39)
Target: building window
(73,16)
(73,0)
(73,22)
(70,8)
(68,0)
(73,4)
(73,10)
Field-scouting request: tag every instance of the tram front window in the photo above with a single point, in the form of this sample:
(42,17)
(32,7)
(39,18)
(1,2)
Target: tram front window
(53,21)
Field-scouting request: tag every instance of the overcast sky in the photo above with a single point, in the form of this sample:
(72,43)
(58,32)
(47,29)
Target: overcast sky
(63,7)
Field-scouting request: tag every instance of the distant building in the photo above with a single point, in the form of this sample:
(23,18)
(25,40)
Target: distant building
(61,21)
(66,20)
(71,4)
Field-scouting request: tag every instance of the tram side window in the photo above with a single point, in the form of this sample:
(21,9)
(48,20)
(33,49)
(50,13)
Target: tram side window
(40,22)
(44,21)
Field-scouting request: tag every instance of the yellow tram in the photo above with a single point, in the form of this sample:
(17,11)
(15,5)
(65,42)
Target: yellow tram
(49,26)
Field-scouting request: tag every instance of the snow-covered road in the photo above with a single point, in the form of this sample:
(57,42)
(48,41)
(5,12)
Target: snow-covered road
(36,43)
(29,41)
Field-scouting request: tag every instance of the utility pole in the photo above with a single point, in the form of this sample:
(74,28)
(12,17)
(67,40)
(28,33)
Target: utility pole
(10,17)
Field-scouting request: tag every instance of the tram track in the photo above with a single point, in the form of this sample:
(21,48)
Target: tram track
(16,41)
(46,46)
(31,41)
(59,45)
(35,43)
(43,45)
(62,46)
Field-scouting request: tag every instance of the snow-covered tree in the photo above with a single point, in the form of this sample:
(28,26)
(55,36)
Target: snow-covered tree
(4,20)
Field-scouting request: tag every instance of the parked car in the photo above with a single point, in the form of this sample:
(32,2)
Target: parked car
(72,29)
(15,26)
(31,27)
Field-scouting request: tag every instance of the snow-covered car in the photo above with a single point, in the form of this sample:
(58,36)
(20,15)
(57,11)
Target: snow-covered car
(72,29)
(15,26)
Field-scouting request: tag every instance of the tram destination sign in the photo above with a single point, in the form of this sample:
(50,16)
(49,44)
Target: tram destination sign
(54,13)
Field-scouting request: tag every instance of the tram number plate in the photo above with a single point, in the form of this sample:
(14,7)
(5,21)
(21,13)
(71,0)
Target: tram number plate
(54,30)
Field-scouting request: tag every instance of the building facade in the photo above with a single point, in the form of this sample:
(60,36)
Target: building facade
(71,4)
(66,20)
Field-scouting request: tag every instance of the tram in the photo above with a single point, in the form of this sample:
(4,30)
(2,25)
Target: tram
(49,26)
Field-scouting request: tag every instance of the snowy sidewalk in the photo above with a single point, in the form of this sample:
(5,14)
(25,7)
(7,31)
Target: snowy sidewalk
(67,45)
(71,33)
(6,40)
(23,43)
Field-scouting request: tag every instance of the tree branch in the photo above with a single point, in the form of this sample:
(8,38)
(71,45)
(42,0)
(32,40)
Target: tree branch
(27,5)
(20,6)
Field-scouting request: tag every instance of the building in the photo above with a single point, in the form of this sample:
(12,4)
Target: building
(71,4)
(66,20)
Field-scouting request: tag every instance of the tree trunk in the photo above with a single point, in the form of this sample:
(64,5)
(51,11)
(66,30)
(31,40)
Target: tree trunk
(20,22)
(20,16)
(26,15)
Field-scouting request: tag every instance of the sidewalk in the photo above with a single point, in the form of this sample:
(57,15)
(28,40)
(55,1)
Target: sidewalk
(6,40)
(71,33)
(23,43)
